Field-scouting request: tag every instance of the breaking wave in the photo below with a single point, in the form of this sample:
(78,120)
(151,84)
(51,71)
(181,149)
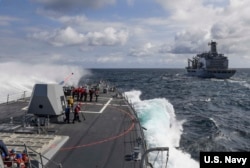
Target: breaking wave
(163,130)
(240,82)
(19,77)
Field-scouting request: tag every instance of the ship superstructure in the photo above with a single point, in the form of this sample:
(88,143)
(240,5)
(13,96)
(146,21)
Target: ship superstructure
(210,64)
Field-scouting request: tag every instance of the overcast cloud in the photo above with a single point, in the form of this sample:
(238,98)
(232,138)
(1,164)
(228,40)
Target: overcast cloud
(68,36)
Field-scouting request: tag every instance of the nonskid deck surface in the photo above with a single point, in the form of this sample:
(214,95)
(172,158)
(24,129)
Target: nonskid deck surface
(10,116)
(107,138)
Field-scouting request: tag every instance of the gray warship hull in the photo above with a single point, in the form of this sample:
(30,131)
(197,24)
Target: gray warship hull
(204,73)
(210,65)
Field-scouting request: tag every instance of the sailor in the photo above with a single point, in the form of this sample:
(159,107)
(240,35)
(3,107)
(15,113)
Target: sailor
(67,114)
(96,94)
(19,161)
(71,101)
(3,157)
(12,155)
(25,158)
(3,149)
(91,91)
(76,113)
(81,93)
(85,94)
(78,93)
(74,92)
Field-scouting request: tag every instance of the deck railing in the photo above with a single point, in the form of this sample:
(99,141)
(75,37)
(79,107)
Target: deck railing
(36,160)
(13,97)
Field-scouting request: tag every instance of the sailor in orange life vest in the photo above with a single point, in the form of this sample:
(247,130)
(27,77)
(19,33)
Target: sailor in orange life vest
(25,158)
(19,161)
(76,113)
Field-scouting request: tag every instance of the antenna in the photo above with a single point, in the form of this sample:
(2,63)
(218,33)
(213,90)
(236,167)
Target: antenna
(66,79)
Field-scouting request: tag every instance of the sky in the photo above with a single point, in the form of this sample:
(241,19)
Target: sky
(122,33)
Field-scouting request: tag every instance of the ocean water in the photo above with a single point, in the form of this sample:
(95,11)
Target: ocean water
(187,114)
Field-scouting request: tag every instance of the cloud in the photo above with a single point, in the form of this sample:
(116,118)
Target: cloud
(6,20)
(84,24)
(68,5)
(196,22)
(73,20)
(215,3)
(69,36)
(184,48)
(186,42)
(109,59)
(170,28)
(179,5)
(130,2)
(143,51)
(60,37)
(108,37)
(221,30)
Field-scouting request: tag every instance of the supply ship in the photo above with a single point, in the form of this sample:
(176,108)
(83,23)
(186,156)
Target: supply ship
(210,65)
(108,136)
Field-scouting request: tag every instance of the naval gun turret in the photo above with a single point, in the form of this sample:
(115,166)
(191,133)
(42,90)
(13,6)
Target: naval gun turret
(47,100)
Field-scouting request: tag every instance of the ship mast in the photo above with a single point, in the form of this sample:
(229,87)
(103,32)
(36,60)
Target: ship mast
(213,49)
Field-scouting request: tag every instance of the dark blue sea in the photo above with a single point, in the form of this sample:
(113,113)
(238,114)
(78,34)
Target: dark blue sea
(188,114)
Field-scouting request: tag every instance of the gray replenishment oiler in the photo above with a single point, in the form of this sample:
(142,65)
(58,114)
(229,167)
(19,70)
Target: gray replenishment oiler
(210,65)
(111,135)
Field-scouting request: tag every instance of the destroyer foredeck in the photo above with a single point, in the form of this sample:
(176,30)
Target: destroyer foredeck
(107,138)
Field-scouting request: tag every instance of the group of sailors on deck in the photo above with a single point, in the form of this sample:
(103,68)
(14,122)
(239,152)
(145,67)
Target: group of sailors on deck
(76,112)
(81,93)
(12,158)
